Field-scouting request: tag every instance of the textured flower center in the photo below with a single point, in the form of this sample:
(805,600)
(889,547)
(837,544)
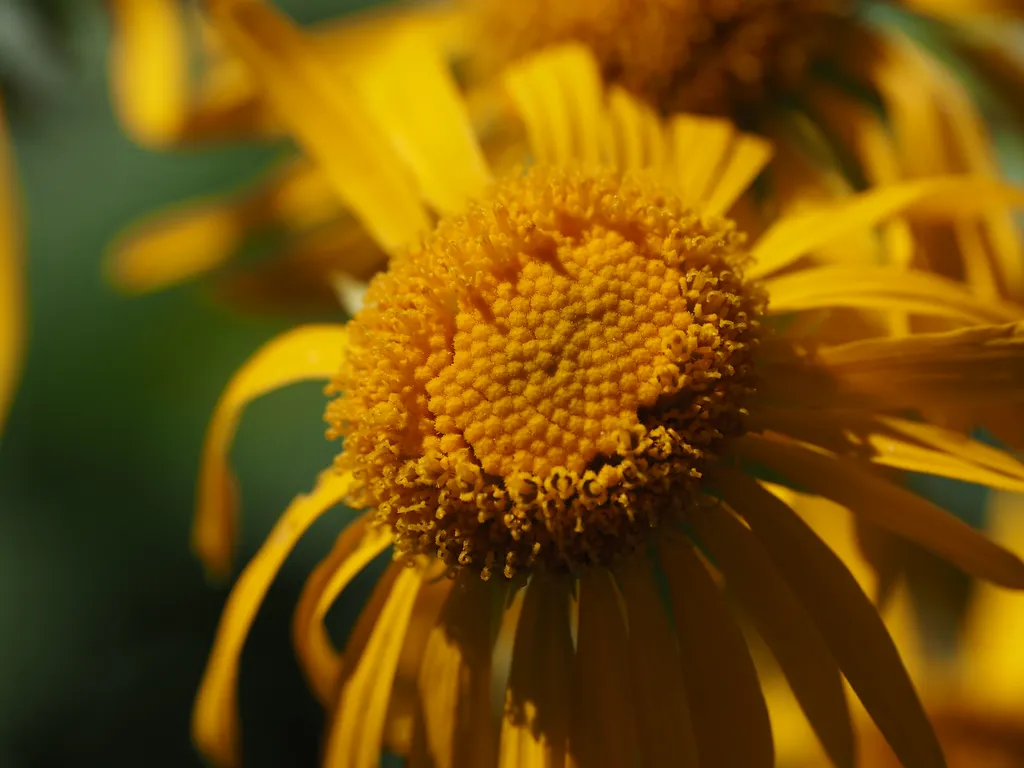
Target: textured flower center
(690,55)
(543,379)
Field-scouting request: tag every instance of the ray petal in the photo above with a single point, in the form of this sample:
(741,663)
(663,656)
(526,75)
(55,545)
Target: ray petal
(409,88)
(942,198)
(888,506)
(356,546)
(328,117)
(663,723)
(794,640)
(455,679)
(604,730)
(843,614)
(356,731)
(12,281)
(721,683)
(885,288)
(309,352)
(215,725)
(538,701)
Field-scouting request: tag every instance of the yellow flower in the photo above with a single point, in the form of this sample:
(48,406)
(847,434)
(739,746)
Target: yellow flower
(973,692)
(12,301)
(558,396)
(846,97)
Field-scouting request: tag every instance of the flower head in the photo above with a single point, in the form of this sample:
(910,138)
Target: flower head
(687,55)
(544,372)
(567,385)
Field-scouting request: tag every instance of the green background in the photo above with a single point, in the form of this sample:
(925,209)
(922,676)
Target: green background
(105,616)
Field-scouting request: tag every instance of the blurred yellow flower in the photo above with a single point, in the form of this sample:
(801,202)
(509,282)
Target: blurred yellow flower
(973,692)
(559,396)
(846,97)
(12,288)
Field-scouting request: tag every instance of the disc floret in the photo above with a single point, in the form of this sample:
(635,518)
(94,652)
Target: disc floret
(542,380)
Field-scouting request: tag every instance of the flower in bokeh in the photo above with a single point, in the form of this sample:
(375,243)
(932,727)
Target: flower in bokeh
(849,98)
(973,688)
(12,289)
(555,405)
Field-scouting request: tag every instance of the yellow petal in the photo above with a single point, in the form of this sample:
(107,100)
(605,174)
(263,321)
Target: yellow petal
(699,144)
(455,679)
(860,129)
(980,366)
(12,281)
(558,95)
(356,731)
(538,706)
(409,88)
(993,666)
(894,442)
(940,130)
(721,682)
(195,237)
(845,617)
(940,198)
(149,68)
(321,663)
(309,352)
(962,10)
(328,117)
(635,136)
(917,293)
(792,637)
(215,716)
(604,734)
(887,506)
(663,725)
(748,157)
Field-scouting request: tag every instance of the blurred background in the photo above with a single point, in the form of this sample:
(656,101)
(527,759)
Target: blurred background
(105,617)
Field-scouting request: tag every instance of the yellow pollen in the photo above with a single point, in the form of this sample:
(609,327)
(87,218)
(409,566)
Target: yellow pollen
(712,56)
(542,380)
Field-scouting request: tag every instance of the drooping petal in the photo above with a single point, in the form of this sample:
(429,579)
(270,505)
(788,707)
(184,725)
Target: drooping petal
(538,700)
(215,726)
(321,662)
(604,735)
(886,505)
(12,281)
(792,637)
(328,116)
(843,614)
(558,95)
(914,446)
(941,198)
(356,730)
(455,679)
(663,726)
(195,237)
(309,352)
(721,683)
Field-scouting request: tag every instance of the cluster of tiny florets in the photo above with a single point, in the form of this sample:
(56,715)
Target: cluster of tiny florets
(543,379)
(714,56)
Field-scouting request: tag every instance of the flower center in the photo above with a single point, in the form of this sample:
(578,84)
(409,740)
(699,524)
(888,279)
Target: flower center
(542,380)
(714,56)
